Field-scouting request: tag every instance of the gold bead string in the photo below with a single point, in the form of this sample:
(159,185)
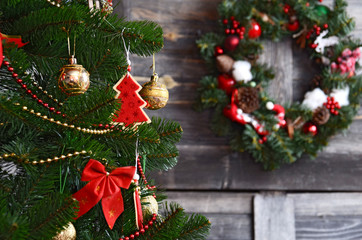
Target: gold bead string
(53,3)
(48,160)
(46,93)
(85,130)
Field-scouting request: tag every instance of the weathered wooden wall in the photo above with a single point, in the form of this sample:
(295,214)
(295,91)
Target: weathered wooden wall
(206,162)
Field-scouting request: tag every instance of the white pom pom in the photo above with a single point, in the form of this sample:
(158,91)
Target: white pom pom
(341,96)
(269,105)
(314,99)
(239,111)
(241,71)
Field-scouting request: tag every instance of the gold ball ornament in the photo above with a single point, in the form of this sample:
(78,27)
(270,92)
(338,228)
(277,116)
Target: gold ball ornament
(67,234)
(154,93)
(74,78)
(149,206)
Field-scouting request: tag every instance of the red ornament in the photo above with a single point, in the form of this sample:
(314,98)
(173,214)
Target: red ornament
(132,103)
(218,51)
(255,30)
(106,187)
(226,83)
(294,26)
(310,128)
(231,43)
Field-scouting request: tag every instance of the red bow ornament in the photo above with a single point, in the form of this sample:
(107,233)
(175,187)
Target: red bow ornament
(9,39)
(106,187)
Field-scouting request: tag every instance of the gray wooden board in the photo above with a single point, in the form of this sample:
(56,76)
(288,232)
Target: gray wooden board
(273,217)
(327,216)
(337,168)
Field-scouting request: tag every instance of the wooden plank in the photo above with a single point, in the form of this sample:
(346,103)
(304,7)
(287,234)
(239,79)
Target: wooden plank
(213,202)
(324,205)
(329,228)
(274,217)
(229,213)
(218,169)
(279,55)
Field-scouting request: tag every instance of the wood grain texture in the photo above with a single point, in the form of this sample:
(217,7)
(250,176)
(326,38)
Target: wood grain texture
(280,56)
(339,167)
(326,216)
(273,217)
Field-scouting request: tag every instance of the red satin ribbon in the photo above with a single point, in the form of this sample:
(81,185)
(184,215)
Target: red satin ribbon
(105,186)
(138,208)
(9,39)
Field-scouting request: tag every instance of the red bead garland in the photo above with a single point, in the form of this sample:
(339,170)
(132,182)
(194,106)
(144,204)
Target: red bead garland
(154,216)
(28,91)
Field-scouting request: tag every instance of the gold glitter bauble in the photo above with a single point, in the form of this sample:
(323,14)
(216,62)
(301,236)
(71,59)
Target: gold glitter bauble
(67,234)
(154,93)
(149,206)
(73,79)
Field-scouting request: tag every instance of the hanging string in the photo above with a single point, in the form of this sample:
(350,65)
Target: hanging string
(154,65)
(137,155)
(75,36)
(68,43)
(126,49)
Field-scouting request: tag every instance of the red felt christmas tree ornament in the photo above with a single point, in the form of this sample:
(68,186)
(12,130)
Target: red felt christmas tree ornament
(131,111)
(254,30)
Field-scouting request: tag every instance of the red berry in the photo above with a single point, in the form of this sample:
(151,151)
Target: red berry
(52,109)
(10,69)
(307,4)
(131,236)
(28,91)
(232,18)
(58,112)
(45,105)
(19,81)
(227,31)
(146,227)
(232,31)
(137,234)
(34,96)
(142,231)
(225,21)
(6,63)
(15,75)
(218,51)
(325,26)
(24,86)
(40,101)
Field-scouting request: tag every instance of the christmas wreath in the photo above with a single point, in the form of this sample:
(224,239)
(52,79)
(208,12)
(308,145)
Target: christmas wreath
(274,134)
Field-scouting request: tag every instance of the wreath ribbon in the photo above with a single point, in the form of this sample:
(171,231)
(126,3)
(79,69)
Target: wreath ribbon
(106,187)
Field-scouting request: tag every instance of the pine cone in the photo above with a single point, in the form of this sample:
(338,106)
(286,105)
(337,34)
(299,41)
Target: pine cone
(321,115)
(248,99)
(224,63)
